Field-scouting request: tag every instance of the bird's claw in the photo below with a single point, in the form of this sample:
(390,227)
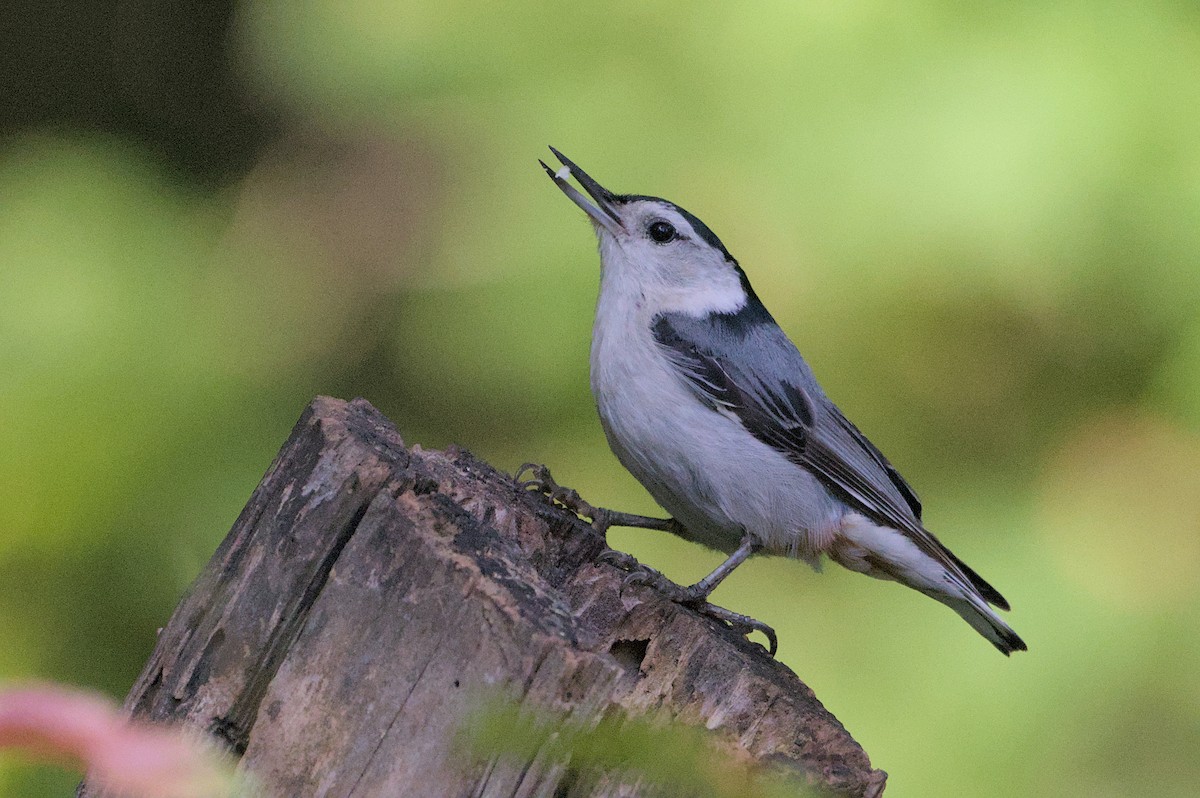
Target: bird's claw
(742,624)
(645,576)
(540,481)
(638,574)
(618,559)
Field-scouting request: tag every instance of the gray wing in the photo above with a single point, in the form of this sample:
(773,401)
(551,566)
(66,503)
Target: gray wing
(744,364)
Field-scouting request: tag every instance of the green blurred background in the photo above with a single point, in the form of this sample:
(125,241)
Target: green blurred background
(980,223)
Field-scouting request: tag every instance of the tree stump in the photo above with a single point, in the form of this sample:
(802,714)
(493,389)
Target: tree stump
(343,630)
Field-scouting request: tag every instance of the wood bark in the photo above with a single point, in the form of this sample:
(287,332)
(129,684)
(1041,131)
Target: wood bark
(368,592)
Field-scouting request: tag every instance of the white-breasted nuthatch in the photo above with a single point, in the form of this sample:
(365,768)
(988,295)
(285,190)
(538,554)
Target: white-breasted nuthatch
(712,408)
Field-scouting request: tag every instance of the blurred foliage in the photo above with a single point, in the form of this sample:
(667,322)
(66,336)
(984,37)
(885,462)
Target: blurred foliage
(668,759)
(981,224)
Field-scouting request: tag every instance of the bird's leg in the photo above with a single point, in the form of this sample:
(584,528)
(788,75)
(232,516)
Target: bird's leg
(700,591)
(541,481)
(696,596)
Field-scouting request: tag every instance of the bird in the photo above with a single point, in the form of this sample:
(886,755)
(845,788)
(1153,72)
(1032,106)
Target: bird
(712,408)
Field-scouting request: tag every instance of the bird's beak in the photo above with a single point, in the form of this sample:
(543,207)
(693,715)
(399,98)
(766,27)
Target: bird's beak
(603,212)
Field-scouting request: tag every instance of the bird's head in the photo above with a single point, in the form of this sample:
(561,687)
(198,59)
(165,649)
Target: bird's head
(670,256)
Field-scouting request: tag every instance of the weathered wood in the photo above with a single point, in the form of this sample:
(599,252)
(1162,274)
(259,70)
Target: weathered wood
(366,594)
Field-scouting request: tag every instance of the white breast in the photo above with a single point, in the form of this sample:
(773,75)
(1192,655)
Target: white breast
(702,466)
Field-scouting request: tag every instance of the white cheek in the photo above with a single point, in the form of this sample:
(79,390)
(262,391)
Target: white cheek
(708,289)
(637,269)
(725,298)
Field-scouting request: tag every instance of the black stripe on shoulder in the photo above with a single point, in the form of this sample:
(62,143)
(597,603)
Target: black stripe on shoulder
(753,314)
(716,329)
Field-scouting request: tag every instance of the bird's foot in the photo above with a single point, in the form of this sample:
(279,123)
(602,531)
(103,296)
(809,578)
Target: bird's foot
(637,573)
(540,481)
(694,596)
(620,560)
(649,577)
(742,624)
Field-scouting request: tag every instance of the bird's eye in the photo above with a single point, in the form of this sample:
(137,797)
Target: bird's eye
(661,232)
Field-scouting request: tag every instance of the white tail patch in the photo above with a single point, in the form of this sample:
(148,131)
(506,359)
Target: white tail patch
(885,553)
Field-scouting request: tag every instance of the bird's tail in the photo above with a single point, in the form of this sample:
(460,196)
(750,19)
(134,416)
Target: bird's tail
(983,619)
(922,563)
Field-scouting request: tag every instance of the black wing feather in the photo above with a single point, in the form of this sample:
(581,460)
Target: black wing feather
(900,482)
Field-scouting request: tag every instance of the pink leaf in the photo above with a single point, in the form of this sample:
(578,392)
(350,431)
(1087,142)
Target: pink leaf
(72,727)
